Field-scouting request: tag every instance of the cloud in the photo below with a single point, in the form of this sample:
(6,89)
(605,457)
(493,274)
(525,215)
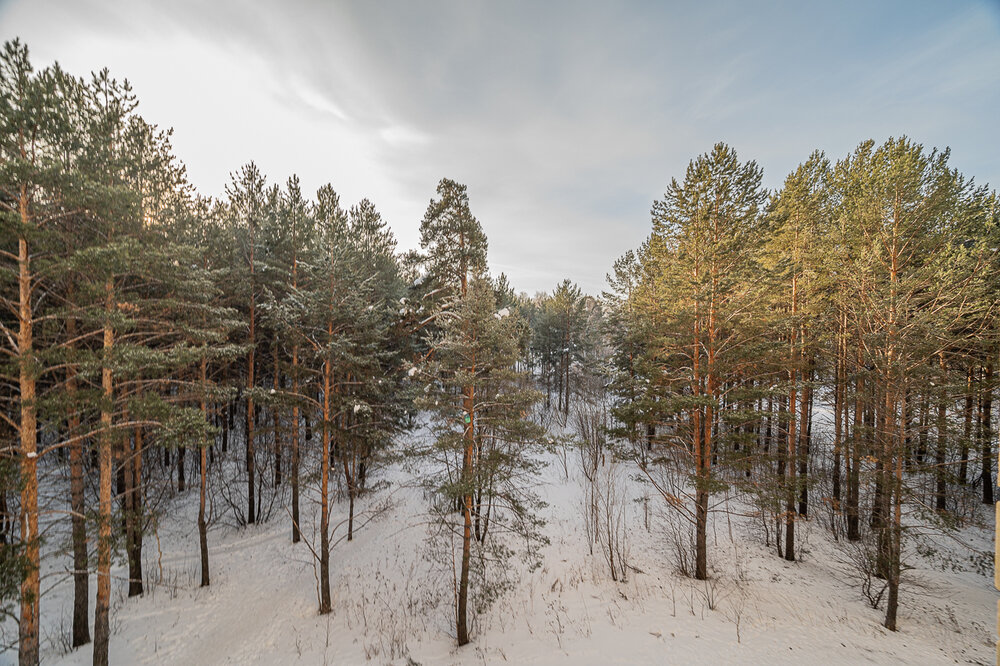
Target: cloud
(565,119)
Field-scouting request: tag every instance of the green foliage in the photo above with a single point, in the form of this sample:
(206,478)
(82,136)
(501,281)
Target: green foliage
(474,352)
(452,238)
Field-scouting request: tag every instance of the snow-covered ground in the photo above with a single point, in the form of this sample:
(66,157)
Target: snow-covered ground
(392,600)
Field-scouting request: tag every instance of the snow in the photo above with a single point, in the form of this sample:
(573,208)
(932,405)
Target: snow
(391,604)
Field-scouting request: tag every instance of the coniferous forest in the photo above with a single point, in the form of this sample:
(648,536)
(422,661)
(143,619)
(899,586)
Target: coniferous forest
(776,383)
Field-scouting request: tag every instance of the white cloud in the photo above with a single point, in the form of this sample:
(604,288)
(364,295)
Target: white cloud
(564,119)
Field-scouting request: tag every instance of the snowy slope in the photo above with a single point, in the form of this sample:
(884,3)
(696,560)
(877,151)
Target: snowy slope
(392,602)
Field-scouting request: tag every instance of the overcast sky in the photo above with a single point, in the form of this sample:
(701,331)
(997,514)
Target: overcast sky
(565,119)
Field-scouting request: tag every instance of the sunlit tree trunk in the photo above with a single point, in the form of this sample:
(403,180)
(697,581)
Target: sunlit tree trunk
(792,443)
(30,587)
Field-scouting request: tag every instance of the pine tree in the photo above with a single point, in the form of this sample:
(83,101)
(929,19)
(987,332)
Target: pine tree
(800,215)
(456,248)
(246,204)
(561,337)
(294,246)
(696,293)
(199,225)
(909,285)
(479,402)
(371,366)
(453,239)
(626,340)
(39,193)
(329,310)
(147,297)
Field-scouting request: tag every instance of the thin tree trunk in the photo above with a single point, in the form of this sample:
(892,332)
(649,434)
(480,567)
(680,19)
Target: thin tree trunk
(168,467)
(707,440)
(890,454)
(805,423)
(987,432)
(102,629)
(567,362)
(854,474)
(324,521)
(133,522)
(924,419)
(963,469)
(325,605)
(791,468)
(31,585)
(250,454)
(792,444)
(227,420)
(296,534)
(81,577)
(940,495)
(768,425)
(895,532)
(350,480)
(838,410)
(203,485)
(701,457)
(467,471)
(275,415)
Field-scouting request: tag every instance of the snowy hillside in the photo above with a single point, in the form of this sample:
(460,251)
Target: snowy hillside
(392,602)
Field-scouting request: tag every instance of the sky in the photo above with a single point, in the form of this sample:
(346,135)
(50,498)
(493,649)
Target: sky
(566,120)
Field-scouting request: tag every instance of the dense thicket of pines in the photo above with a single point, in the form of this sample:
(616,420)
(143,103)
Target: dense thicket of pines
(829,347)
(825,350)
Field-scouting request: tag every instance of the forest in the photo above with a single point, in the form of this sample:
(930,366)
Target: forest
(815,363)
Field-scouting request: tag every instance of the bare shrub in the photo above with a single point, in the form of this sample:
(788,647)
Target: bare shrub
(861,563)
(605,514)
(680,539)
(737,607)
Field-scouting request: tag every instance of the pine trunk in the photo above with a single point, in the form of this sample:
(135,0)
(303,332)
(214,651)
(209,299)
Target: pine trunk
(296,534)
(275,416)
(351,492)
(203,486)
(701,457)
(805,425)
(31,586)
(854,473)
(895,533)
(940,452)
(987,432)
(963,465)
(102,629)
(838,411)
(133,522)
(250,453)
(792,443)
(81,576)
(324,520)
(467,472)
